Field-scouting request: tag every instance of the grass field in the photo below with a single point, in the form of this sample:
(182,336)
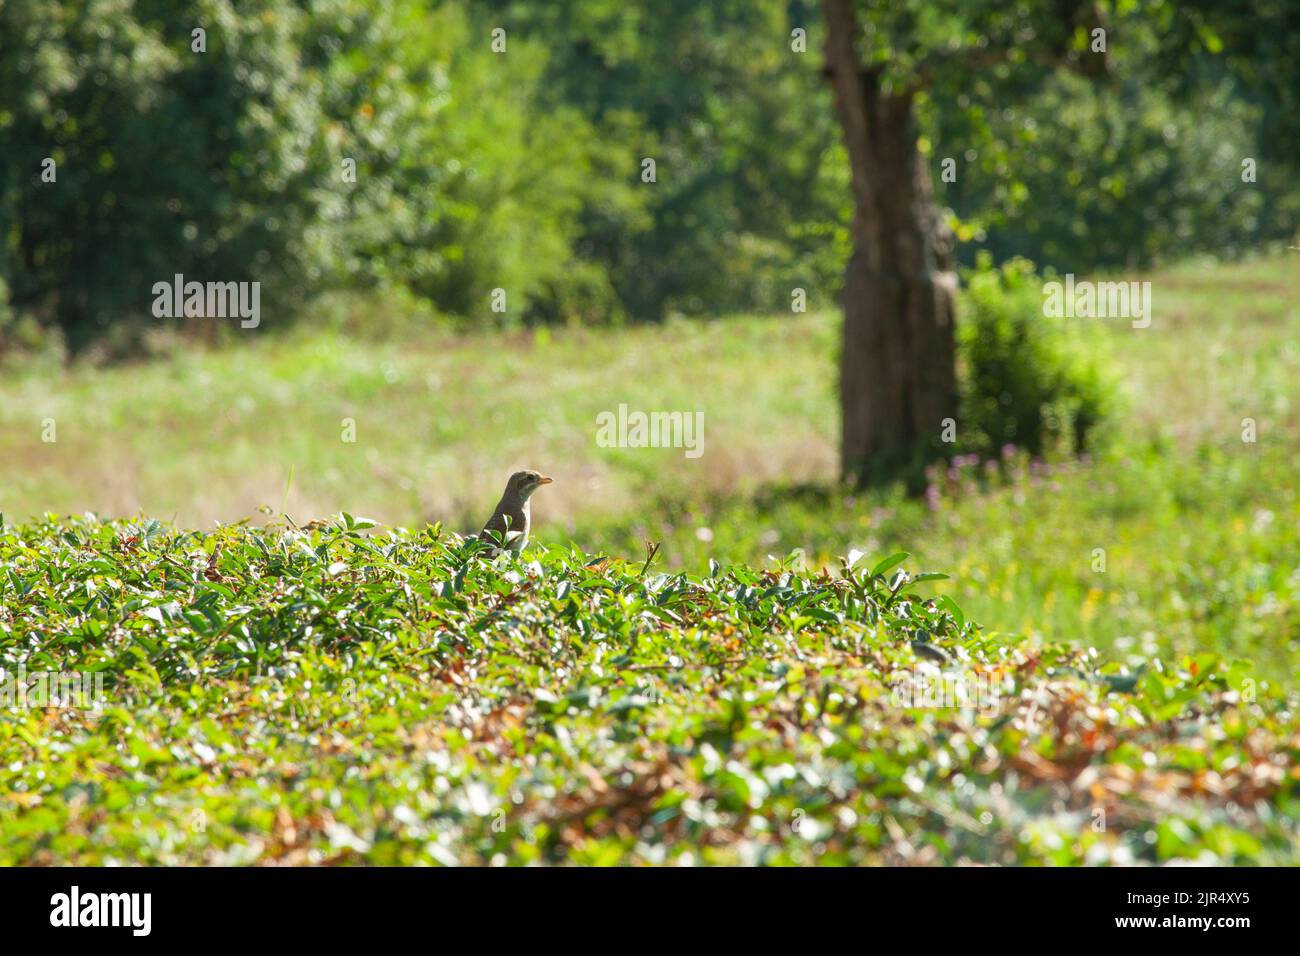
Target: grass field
(337,692)
(1199,529)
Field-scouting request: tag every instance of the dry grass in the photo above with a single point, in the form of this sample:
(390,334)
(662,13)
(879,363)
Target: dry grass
(440,421)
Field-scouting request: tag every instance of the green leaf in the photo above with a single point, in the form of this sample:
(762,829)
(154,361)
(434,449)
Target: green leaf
(889,563)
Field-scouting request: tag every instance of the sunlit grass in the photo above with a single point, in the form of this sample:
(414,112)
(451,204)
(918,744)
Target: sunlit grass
(1199,528)
(345,694)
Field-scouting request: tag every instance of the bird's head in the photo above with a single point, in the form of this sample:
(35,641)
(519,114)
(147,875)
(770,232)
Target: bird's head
(523,483)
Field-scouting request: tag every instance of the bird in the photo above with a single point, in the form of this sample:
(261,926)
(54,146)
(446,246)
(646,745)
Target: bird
(511,520)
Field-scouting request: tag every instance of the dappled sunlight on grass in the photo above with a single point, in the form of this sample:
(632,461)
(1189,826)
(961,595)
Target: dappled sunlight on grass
(1199,529)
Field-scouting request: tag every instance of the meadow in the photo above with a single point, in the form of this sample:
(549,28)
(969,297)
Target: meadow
(733,659)
(244,614)
(1198,527)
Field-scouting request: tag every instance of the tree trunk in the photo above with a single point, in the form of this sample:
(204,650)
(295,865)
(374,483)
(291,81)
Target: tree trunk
(898,378)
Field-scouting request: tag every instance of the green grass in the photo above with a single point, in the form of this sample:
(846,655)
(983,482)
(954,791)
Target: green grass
(1198,528)
(440,421)
(338,695)
(384,731)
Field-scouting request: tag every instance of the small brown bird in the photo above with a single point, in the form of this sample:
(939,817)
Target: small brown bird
(512,518)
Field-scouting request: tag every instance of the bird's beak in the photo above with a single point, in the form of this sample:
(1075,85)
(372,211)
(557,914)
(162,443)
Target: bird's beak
(544,480)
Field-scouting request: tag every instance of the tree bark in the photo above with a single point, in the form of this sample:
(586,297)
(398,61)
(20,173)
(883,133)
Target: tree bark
(898,379)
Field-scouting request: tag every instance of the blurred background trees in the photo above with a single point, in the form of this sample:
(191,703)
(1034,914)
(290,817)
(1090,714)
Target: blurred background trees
(521,170)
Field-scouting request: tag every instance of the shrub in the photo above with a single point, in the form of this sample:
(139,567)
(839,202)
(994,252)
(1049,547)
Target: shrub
(1026,380)
(232,165)
(402,698)
(1136,177)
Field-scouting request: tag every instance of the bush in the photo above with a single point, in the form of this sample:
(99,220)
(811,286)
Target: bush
(233,163)
(1026,380)
(1135,177)
(401,698)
